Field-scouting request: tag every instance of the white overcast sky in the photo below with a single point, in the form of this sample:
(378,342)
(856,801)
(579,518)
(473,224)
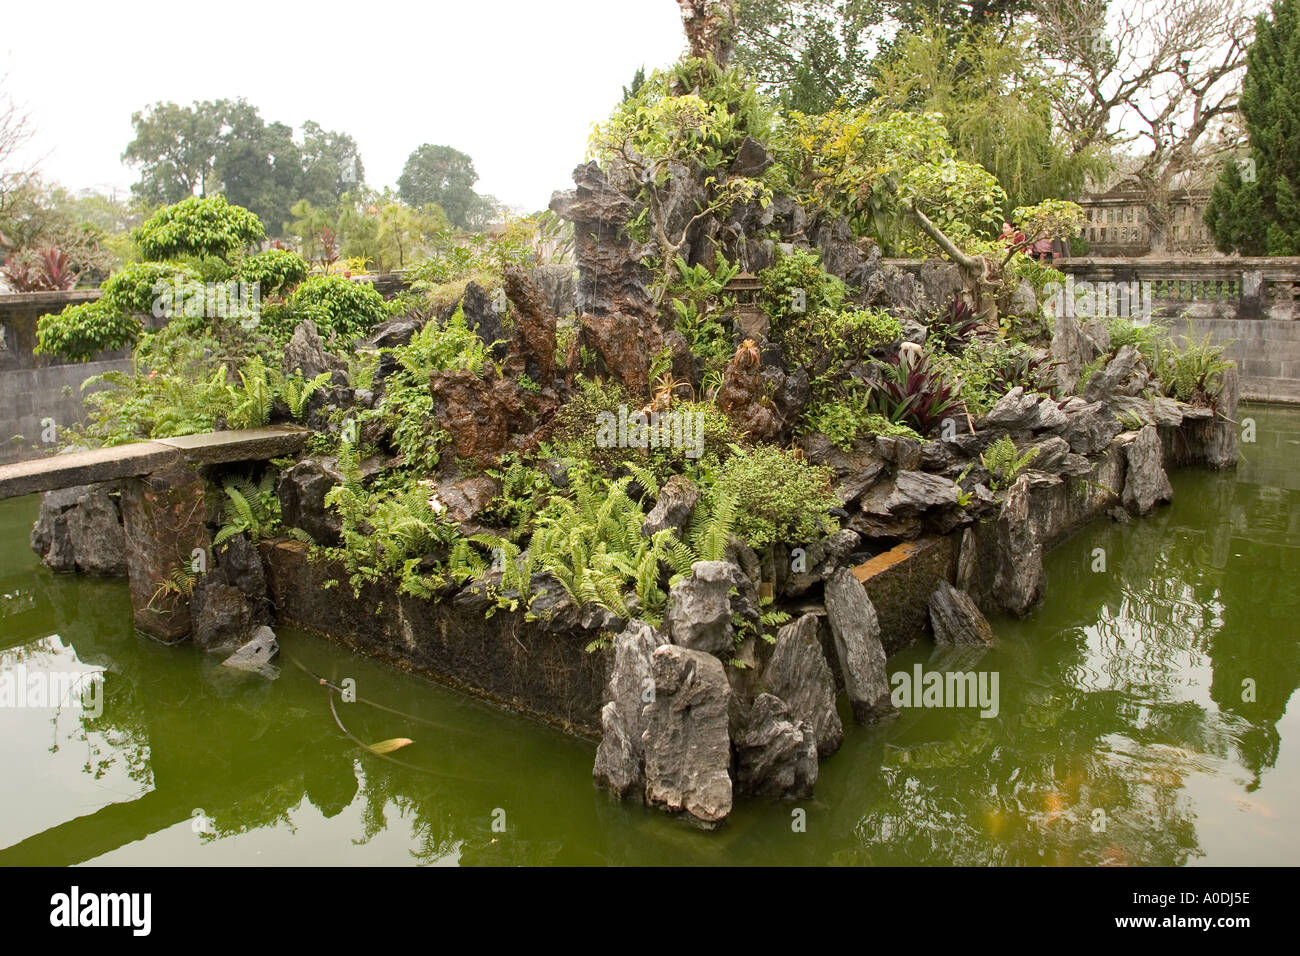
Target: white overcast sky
(513,83)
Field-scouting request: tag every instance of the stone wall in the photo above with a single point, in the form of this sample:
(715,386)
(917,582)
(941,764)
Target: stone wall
(37,388)
(1252,304)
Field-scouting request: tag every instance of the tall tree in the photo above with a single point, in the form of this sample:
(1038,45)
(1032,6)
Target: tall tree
(1157,78)
(1255,206)
(258,165)
(225,146)
(808,54)
(443,176)
(331,165)
(998,104)
(175,148)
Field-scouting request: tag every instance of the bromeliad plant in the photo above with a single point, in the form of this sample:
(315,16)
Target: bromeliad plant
(914,392)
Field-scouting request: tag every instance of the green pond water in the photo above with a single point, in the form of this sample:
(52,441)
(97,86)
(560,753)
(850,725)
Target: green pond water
(1142,719)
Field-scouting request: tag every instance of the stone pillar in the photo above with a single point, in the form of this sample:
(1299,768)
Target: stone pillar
(165,518)
(1252,304)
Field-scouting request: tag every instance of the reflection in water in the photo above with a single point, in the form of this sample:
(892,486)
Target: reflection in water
(1142,719)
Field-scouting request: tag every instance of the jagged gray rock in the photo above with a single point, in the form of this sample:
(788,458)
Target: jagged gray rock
(1145,481)
(620,758)
(80,529)
(256,654)
(306,353)
(799,572)
(302,490)
(799,675)
(1088,429)
(1123,375)
(677,500)
(776,755)
(855,630)
(956,619)
(700,607)
(687,740)
(1018,583)
(220,613)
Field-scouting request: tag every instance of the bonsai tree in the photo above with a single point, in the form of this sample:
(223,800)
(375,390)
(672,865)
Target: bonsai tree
(202,227)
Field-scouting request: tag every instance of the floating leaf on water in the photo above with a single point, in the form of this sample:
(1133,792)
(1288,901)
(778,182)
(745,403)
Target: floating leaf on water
(388,746)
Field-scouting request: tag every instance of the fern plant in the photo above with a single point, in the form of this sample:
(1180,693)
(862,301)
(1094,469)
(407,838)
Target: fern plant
(251,508)
(297,391)
(1003,462)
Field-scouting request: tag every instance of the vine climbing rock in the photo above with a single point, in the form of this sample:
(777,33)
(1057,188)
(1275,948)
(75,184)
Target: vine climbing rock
(776,755)
(620,758)
(799,675)
(956,619)
(856,633)
(1145,483)
(1018,582)
(687,741)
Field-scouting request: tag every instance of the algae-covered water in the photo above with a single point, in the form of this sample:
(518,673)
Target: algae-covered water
(1142,718)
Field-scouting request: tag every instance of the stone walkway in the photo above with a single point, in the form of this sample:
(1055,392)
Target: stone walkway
(141,458)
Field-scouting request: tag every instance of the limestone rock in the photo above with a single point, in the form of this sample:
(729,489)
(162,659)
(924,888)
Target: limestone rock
(956,619)
(306,353)
(673,509)
(620,757)
(752,159)
(240,566)
(302,490)
(221,614)
(1123,375)
(856,633)
(699,610)
(1018,583)
(799,675)
(1145,481)
(687,741)
(256,654)
(1088,429)
(1013,411)
(776,755)
(532,342)
(80,529)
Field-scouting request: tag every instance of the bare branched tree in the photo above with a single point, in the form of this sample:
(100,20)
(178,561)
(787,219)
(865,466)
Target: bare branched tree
(15,131)
(1158,79)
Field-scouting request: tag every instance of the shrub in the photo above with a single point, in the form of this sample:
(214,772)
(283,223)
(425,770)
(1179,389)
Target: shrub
(199,226)
(341,308)
(81,331)
(914,391)
(579,423)
(778,494)
(276,271)
(1003,463)
(134,288)
(799,272)
(1191,372)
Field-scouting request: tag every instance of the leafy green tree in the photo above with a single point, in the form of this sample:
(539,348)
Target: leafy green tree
(999,106)
(331,165)
(226,146)
(442,176)
(808,54)
(1255,206)
(201,227)
(259,166)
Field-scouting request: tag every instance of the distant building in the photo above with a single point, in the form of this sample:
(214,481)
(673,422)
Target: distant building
(1118,224)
